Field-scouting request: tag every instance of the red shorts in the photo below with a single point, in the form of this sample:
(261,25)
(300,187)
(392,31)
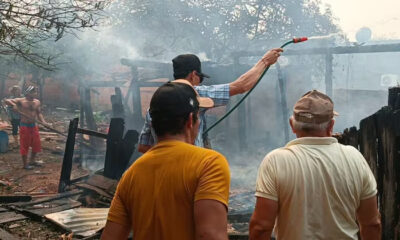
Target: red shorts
(29,137)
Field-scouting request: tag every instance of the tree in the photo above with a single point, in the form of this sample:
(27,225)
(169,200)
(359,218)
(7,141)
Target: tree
(162,27)
(27,26)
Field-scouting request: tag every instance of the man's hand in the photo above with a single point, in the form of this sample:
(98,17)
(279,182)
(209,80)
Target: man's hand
(245,82)
(272,56)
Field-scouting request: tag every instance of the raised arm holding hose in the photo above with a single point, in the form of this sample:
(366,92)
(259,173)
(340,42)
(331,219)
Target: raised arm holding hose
(188,67)
(30,109)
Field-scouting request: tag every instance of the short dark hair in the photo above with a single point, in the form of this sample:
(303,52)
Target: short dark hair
(171,106)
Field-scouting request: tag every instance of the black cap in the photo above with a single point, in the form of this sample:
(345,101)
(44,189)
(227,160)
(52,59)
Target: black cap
(185,64)
(173,100)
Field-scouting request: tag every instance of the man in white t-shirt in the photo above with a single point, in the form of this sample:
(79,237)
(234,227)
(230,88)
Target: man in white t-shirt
(314,187)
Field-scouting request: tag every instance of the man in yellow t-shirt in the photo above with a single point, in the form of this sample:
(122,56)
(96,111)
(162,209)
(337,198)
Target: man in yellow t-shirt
(314,187)
(175,190)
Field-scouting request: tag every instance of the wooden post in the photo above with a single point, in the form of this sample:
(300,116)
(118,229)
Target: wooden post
(40,82)
(65,176)
(113,154)
(81,122)
(117,105)
(136,100)
(388,154)
(282,88)
(368,144)
(393,97)
(328,74)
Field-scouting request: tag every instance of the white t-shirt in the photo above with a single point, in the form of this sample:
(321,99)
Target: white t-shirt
(318,184)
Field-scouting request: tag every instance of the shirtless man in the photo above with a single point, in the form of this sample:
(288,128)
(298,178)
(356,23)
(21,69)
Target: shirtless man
(30,110)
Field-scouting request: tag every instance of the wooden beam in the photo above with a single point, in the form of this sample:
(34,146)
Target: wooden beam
(48,199)
(15,198)
(332,50)
(103,84)
(92,133)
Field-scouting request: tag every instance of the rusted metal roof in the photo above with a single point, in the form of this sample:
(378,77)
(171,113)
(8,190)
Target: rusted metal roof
(81,221)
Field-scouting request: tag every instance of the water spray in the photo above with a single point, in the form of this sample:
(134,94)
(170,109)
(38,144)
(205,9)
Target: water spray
(294,40)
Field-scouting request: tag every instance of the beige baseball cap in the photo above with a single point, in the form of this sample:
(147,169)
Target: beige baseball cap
(204,102)
(314,107)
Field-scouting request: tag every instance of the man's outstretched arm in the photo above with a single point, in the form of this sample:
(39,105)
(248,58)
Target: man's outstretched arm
(245,82)
(263,220)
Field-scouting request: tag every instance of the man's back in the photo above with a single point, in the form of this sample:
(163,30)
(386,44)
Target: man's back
(156,195)
(319,185)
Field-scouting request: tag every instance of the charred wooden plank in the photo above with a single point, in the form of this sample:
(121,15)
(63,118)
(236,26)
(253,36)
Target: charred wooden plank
(102,182)
(48,199)
(388,155)
(368,144)
(65,176)
(91,133)
(15,198)
(95,189)
(393,97)
(6,217)
(113,161)
(53,207)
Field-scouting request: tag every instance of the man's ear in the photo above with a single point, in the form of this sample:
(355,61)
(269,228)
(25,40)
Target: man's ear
(189,122)
(291,125)
(330,127)
(192,74)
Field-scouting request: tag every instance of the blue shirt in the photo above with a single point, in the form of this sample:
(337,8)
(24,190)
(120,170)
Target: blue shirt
(218,93)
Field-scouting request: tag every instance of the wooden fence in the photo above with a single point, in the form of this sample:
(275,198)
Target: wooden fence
(378,139)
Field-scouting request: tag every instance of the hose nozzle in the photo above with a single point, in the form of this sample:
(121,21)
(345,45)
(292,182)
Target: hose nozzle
(300,39)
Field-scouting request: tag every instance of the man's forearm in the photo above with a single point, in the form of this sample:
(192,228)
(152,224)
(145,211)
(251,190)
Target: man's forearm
(41,118)
(259,231)
(371,232)
(10,102)
(245,82)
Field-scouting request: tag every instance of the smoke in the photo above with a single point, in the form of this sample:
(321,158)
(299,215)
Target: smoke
(159,30)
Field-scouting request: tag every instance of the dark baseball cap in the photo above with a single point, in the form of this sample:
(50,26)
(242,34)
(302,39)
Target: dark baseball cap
(175,99)
(314,107)
(185,64)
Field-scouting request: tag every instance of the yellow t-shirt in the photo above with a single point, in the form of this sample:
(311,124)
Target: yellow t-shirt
(318,184)
(156,194)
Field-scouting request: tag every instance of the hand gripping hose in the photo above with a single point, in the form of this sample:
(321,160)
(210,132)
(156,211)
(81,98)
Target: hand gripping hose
(294,40)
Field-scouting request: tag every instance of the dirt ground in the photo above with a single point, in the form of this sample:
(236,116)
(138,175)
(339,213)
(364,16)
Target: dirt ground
(41,180)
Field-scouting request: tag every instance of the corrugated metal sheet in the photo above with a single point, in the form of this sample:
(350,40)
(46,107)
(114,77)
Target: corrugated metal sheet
(81,221)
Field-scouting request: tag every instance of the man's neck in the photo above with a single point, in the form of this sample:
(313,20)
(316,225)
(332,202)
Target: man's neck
(301,135)
(29,98)
(179,137)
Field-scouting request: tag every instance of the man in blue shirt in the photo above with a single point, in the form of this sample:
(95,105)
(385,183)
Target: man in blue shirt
(188,67)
